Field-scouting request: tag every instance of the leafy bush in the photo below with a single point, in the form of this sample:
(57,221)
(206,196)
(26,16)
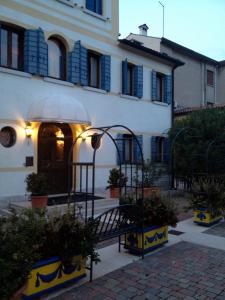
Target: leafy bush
(30,236)
(156,210)
(116,179)
(37,184)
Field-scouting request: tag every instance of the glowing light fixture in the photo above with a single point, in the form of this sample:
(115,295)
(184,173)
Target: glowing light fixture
(28,130)
(60,136)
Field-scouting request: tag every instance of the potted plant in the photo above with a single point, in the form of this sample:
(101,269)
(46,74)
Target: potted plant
(151,173)
(208,200)
(37,185)
(116,180)
(43,253)
(151,222)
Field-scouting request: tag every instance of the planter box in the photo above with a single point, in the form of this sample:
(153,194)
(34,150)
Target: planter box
(154,237)
(50,275)
(203,217)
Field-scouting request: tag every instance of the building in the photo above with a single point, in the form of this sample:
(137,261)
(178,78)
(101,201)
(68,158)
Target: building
(200,81)
(62,70)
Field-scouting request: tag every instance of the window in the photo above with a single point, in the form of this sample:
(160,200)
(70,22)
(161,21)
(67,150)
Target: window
(128,148)
(94,73)
(95,6)
(132,79)
(159,149)
(11,48)
(210,78)
(56,59)
(160,87)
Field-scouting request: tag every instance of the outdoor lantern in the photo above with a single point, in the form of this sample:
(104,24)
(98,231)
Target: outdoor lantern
(96,140)
(28,130)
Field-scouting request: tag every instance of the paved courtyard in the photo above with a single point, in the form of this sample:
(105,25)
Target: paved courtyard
(182,271)
(218,230)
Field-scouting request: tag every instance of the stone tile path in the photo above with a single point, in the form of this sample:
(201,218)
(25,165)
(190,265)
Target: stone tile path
(218,230)
(182,271)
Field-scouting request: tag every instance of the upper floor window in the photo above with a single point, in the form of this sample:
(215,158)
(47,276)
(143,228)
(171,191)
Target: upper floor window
(132,79)
(95,6)
(94,72)
(210,78)
(160,87)
(11,47)
(56,59)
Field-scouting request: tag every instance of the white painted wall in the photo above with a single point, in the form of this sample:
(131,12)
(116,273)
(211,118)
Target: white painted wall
(19,90)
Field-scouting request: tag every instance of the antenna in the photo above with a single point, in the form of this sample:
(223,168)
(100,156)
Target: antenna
(163,6)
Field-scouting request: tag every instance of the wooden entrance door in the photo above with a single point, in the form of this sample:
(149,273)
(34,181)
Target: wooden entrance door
(54,143)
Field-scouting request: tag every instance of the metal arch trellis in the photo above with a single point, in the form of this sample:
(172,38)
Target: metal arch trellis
(111,223)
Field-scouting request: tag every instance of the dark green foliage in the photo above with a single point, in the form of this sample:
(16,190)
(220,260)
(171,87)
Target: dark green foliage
(37,184)
(20,238)
(30,236)
(190,152)
(116,179)
(208,192)
(156,210)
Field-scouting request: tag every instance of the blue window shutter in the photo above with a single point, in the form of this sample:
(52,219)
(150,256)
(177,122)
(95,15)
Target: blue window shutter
(153,148)
(120,144)
(83,66)
(136,149)
(166,150)
(73,66)
(42,61)
(138,81)
(154,85)
(31,51)
(124,77)
(99,7)
(105,72)
(90,5)
(168,89)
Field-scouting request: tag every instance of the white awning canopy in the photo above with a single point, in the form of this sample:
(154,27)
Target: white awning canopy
(58,108)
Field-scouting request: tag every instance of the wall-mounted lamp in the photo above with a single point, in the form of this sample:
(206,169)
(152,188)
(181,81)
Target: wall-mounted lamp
(96,140)
(28,130)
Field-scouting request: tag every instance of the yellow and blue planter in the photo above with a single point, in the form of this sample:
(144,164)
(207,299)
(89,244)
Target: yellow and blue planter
(205,218)
(154,237)
(50,275)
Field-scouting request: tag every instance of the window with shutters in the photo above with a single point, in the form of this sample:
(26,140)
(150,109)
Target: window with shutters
(95,6)
(159,149)
(94,69)
(210,78)
(56,59)
(160,87)
(11,47)
(128,148)
(130,79)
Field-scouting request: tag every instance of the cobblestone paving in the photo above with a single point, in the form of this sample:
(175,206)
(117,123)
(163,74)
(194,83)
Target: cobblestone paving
(218,230)
(182,271)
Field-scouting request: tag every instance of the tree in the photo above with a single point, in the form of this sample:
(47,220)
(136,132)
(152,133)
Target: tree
(199,143)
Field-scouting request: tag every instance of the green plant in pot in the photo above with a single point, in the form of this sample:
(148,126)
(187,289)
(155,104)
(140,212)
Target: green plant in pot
(151,220)
(151,173)
(208,199)
(37,185)
(116,181)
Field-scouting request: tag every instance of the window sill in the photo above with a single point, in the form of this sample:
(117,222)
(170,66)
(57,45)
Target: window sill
(15,72)
(129,97)
(92,89)
(58,81)
(89,12)
(67,2)
(159,103)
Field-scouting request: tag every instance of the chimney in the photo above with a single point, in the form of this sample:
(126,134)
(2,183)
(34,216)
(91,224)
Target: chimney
(143,29)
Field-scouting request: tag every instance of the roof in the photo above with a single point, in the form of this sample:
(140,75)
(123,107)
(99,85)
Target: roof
(186,110)
(222,63)
(138,45)
(188,51)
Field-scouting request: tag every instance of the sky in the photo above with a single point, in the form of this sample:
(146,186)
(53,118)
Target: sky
(196,24)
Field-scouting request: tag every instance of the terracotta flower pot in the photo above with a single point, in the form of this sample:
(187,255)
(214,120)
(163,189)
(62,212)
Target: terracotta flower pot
(148,191)
(114,192)
(39,201)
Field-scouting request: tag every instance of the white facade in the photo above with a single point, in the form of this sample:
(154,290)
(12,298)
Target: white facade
(23,94)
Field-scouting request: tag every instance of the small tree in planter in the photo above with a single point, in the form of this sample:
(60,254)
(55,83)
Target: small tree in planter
(37,185)
(116,180)
(151,173)
(208,200)
(151,221)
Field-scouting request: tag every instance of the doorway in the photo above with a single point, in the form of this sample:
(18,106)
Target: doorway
(54,143)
